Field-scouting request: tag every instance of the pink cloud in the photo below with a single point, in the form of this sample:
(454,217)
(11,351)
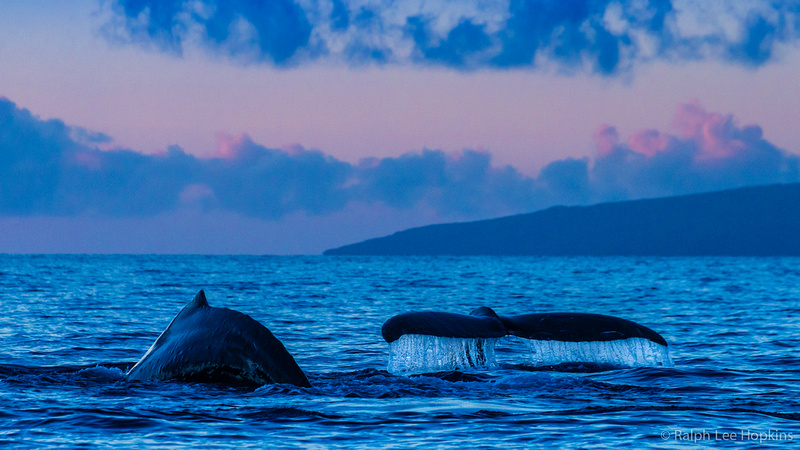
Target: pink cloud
(717,135)
(229,146)
(709,151)
(606,139)
(649,142)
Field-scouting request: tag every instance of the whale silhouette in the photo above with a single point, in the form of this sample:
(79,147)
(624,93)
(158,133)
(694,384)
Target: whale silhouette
(554,339)
(203,343)
(485,323)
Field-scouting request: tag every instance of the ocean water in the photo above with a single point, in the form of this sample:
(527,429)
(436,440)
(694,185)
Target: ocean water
(72,325)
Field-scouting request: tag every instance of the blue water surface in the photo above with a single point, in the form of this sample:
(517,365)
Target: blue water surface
(72,325)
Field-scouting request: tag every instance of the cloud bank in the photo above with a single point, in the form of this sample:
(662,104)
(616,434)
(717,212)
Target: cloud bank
(605,36)
(50,169)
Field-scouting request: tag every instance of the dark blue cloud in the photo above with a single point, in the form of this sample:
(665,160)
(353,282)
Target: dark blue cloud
(340,16)
(45,171)
(454,186)
(460,45)
(557,29)
(403,181)
(566,181)
(250,30)
(122,182)
(757,44)
(31,153)
(269,183)
(605,36)
(153,22)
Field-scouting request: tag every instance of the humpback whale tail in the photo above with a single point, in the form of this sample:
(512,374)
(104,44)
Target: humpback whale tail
(203,343)
(436,341)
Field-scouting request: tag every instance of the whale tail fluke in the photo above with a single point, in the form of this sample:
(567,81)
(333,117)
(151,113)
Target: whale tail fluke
(437,339)
(483,322)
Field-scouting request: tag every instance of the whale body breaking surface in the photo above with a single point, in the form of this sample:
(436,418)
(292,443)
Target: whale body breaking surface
(204,343)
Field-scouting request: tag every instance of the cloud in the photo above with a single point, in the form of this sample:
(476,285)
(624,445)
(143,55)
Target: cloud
(31,154)
(262,31)
(464,185)
(709,151)
(270,183)
(49,168)
(45,170)
(607,36)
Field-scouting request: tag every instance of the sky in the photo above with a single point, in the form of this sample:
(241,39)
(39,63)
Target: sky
(293,126)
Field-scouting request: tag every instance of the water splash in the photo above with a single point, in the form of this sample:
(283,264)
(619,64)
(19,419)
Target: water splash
(414,353)
(633,352)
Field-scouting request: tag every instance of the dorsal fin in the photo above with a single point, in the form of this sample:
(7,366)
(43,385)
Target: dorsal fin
(199,301)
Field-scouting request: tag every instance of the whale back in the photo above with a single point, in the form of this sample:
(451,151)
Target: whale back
(204,343)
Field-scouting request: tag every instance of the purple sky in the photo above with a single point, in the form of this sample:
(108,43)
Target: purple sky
(292,127)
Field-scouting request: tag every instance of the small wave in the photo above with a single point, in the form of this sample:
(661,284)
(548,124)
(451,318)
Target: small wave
(380,384)
(284,414)
(101,373)
(108,372)
(569,367)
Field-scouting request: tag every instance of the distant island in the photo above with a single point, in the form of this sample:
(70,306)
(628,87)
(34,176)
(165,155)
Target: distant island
(752,221)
